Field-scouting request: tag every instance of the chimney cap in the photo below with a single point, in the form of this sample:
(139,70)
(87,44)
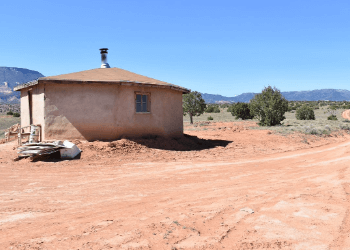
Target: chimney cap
(104,50)
(104,63)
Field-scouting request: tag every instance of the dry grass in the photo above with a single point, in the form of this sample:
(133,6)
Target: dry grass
(7,121)
(223,116)
(318,126)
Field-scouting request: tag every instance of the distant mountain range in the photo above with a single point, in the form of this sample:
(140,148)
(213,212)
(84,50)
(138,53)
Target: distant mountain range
(312,95)
(11,77)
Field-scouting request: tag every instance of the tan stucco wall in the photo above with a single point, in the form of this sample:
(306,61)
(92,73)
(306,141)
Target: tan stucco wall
(37,105)
(106,112)
(24,108)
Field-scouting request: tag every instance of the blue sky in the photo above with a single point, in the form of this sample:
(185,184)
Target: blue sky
(216,47)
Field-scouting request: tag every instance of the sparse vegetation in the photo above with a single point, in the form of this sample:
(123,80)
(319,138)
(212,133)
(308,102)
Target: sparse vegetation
(5,107)
(332,118)
(6,122)
(320,126)
(311,130)
(212,108)
(7,117)
(210,118)
(230,108)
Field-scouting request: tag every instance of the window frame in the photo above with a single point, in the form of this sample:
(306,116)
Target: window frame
(148,103)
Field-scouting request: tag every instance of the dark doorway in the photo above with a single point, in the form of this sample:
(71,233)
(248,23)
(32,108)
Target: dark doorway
(30,100)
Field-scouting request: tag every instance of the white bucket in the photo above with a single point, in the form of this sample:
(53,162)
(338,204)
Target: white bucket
(70,151)
(34,134)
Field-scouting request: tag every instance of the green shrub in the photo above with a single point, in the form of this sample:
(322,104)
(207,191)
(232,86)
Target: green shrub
(225,105)
(325,132)
(212,109)
(305,113)
(269,107)
(344,127)
(311,130)
(210,118)
(241,110)
(333,107)
(230,108)
(9,113)
(332,117)
(16,115)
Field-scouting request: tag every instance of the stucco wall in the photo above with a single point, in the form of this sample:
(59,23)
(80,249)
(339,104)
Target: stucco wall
(37,92)
(107,111)
(24,108)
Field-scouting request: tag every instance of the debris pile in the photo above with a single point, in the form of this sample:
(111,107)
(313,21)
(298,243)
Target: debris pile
(14,128)
(11,131)
(44,150)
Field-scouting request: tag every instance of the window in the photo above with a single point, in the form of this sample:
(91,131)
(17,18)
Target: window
(142,102)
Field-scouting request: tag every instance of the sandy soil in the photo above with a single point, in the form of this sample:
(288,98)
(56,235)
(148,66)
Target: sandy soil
(223,186)
(346,114)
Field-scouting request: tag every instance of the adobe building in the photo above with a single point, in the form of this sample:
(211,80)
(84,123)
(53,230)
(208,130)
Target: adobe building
(102,104)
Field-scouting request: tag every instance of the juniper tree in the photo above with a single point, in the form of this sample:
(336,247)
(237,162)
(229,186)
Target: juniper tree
(193,104)
(269,107)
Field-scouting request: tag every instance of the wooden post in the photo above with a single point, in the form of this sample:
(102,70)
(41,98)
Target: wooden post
(40,134)
(7,135)
(19,136)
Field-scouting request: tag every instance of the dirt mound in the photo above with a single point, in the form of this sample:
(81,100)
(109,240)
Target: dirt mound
(136,145)
(120,146)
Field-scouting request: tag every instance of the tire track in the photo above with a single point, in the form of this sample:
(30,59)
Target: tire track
(344,230)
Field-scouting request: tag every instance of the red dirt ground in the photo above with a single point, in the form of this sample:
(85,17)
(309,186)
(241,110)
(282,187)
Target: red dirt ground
(223,186)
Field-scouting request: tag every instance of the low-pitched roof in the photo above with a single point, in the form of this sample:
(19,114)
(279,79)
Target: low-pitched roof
(104,75)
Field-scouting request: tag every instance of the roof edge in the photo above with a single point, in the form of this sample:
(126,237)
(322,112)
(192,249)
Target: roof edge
(26,85)
(132,83)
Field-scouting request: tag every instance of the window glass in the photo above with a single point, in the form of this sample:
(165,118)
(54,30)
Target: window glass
(138,107)
(142,104)
(138,103)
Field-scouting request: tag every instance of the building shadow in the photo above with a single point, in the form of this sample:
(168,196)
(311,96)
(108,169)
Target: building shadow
(54,157)
(183,143)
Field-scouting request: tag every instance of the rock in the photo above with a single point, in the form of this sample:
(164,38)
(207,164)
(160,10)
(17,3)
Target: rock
(247,209)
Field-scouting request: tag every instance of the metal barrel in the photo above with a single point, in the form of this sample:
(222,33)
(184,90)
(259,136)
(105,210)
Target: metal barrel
(34,134)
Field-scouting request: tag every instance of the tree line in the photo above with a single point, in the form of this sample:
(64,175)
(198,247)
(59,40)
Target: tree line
(268,107)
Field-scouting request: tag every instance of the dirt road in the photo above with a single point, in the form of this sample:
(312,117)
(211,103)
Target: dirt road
(346,114)
(289,200)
